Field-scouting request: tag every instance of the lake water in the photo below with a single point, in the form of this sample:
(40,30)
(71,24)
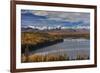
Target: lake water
(71,47)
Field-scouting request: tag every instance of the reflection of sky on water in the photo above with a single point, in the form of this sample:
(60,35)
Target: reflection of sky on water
(70,47)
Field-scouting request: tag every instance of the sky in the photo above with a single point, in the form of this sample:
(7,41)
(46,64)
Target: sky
(54,18)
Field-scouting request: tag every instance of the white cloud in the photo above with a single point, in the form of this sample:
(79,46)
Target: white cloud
(41,13)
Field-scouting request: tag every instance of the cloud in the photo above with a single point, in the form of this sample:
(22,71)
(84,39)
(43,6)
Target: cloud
(61,16)
(40,13)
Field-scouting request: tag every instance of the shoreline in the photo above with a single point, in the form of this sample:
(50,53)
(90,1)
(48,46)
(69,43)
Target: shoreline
(32,47)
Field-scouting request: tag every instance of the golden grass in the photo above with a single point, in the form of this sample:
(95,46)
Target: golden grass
(44,58)
(36,37)
(51,57)
(82,57)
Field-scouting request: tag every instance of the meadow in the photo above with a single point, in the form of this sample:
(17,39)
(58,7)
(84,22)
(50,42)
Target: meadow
(31,41)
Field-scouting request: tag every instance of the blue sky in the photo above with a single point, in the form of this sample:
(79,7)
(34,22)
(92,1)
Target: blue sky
(54,18)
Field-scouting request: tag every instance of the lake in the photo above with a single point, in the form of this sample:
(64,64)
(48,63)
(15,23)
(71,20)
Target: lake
(71,47)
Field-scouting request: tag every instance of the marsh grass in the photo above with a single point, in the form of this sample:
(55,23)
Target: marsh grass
(36,37)
(82,57)
(51,57)
(44,58)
